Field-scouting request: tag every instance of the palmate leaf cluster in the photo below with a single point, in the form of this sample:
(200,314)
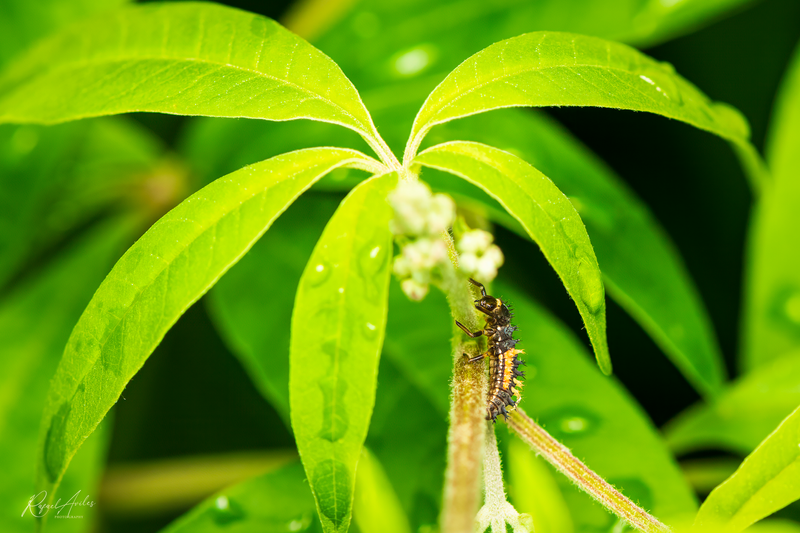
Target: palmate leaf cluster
(325,258)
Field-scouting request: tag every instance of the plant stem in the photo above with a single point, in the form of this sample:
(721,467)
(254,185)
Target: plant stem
(560,457)
(464,446)
(467,412)
(496,511)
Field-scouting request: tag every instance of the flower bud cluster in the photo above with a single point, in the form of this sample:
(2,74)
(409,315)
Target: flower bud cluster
(478,257)
(420,219)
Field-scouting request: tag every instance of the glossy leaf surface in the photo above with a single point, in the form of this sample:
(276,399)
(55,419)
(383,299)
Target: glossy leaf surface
(561,69)
(548,217)
(252,303)
(22,22)
(276,502)
(642,269)
(772,312)
(158,278)
(767,481)
(746,412)
(180,58)
(35,322)
(338,323)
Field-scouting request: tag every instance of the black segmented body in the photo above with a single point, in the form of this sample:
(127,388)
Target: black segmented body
(502,353)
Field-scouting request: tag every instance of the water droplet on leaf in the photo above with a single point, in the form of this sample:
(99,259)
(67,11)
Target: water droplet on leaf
(319,274)
(570,421)
(226,511)
(415,60)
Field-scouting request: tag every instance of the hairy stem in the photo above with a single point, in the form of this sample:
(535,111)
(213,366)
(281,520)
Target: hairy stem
(560,457)
(464,447)
(467,411)
(496,511)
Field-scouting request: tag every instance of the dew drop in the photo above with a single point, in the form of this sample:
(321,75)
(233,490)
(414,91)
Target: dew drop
(370,331)
(415,60)
(570,421)
(54,445)
(299,524)
(335,421)
(226,511)
(592,293)
(573,424)
(319,274)
(661,78)
(371,259)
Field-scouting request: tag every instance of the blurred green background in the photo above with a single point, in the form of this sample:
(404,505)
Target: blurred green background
(193,398)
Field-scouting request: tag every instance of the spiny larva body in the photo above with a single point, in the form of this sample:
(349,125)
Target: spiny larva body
(502,353)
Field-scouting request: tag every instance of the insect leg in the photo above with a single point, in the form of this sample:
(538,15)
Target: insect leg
(479,285)
(468,332)
(478,357)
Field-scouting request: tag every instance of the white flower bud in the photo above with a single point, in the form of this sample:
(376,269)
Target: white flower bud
(401,267)
(468,263)
(488,264)
(414,290)
(475,241)
(441,214)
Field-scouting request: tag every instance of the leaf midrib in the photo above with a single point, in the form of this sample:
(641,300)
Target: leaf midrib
(120,320)
(108,61)
(438,109)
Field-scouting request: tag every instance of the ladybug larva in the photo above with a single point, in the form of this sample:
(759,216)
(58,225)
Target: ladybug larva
(503,361)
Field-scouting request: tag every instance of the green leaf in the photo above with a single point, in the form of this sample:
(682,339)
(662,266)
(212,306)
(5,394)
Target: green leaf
(249,303)
(534,490)
(248,308)
(772,303)
(548,217)
(35,322)
(185,59)
(774,526)
(23,22)
(561,69)
(338,323)
(276,502)
(642,269)
(596,418)
(376,508)
(158,278)
(766,481)
(405,47)
(744,414)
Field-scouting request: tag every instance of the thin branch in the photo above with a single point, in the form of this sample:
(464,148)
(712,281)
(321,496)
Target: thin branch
(496,511)
(561,458)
